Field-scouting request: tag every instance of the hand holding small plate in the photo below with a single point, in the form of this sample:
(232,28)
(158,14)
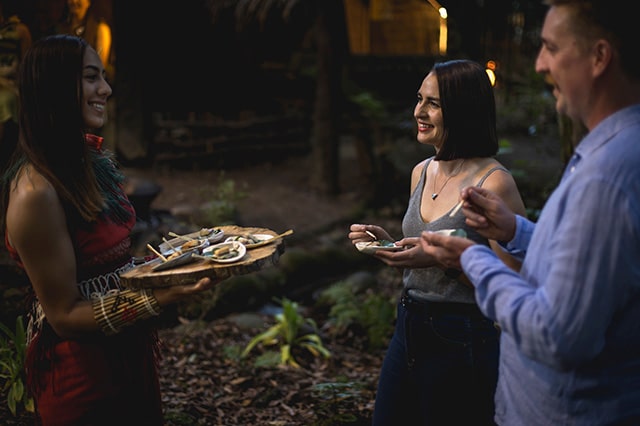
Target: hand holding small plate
(370,247)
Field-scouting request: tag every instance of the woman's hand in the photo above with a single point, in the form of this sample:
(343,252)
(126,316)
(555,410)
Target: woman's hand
(366,233)
(169,295)
(411,256)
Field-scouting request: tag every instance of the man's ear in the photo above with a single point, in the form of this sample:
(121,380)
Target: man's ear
(602,56)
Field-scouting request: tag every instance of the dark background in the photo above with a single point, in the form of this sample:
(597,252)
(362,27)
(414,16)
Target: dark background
(176,57)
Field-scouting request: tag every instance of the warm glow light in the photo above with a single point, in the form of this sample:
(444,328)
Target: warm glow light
(442,44)
(492,76)
(442,39)
(490,69)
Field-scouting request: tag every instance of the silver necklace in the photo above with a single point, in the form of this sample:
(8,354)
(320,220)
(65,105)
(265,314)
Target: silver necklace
(435,193)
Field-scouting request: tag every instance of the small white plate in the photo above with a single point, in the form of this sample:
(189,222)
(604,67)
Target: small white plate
(370,247)
(245,241)
(236,246)
(453,232)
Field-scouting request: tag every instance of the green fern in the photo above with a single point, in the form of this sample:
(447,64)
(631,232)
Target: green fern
(13,351)
(287,333)
(369,311)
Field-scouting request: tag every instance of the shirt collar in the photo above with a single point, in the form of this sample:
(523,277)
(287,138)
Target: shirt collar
(607,129)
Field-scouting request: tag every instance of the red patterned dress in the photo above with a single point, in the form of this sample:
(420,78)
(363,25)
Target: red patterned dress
(97,380)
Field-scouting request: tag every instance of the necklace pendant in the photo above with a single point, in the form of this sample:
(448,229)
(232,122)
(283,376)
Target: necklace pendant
(434,196)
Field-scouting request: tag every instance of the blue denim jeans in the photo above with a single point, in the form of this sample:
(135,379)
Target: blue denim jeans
(441,367)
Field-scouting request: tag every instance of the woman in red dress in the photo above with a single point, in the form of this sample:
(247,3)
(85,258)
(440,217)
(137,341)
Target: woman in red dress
(92,354)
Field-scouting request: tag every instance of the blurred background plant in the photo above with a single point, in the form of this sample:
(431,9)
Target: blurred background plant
(359,313)
(13,350)
(292,332)
(221,207)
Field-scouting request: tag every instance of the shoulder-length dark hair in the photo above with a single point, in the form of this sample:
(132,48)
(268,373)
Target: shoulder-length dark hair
(468,110)
(52,129)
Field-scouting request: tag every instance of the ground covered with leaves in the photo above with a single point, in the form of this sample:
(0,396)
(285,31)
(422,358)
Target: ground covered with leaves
(205,382)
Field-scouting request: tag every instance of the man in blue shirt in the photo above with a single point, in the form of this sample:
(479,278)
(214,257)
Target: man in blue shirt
(570,320)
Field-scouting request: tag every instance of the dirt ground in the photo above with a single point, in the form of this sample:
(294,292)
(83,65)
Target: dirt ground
(276,194)
(272,195)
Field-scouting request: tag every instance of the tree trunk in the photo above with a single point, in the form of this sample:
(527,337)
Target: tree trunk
(330,44)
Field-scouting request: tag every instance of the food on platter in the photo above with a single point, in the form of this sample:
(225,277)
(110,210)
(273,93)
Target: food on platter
(196,245)
(251,241)
(226,252)
(249,238)
(174,262)
(198,239)
(192,244)
(151,274)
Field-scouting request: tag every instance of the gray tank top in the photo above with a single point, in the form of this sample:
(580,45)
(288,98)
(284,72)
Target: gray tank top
(431,283)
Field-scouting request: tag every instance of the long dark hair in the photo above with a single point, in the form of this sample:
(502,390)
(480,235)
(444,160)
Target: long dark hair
(52,133)
(468,110)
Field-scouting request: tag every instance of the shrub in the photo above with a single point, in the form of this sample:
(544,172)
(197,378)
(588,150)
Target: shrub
(288,332)
(13,348)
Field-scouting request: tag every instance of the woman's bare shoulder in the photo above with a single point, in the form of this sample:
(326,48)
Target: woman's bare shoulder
(500,180)
(31,190)
(416,172)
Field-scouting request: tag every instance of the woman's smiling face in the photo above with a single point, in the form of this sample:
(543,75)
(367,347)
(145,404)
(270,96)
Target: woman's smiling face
(428,113)
(95,91)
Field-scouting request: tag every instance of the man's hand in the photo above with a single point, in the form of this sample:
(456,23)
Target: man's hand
(488,214)
(446,250)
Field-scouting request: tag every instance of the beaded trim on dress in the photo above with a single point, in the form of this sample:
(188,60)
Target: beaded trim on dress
(90,288)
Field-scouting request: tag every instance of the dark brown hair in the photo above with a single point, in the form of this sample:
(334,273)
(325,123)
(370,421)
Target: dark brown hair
(52,133)
(468,110)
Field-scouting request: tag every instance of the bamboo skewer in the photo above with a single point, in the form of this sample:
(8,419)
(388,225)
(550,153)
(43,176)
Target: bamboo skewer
(456,208)
(372,235)
(173,234)
(156,252)
(175,250)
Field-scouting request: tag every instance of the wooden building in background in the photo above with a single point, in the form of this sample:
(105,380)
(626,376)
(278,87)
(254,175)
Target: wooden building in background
(395,27)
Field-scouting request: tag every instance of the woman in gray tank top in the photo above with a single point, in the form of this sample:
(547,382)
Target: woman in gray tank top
(441,366)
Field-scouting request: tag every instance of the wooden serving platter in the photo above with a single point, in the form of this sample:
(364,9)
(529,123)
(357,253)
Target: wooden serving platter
(255,259)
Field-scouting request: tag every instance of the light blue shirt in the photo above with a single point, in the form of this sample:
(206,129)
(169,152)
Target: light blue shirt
(570,344)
